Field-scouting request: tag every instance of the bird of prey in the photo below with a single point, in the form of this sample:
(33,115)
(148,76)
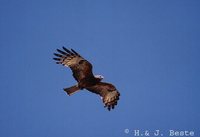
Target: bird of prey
(82,72)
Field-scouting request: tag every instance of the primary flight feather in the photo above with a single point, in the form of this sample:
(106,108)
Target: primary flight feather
(82,72)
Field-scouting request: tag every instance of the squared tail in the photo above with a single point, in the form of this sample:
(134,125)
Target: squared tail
(71,90)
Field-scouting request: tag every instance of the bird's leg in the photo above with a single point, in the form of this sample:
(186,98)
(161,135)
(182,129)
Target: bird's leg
(81,85)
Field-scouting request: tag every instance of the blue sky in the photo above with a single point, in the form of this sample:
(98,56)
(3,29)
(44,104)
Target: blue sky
(148,49)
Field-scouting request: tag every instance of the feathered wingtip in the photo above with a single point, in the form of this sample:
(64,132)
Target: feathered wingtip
(64,53)
(72,52)
(111,104)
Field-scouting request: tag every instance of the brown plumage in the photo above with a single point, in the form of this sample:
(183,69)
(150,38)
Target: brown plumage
(82,72)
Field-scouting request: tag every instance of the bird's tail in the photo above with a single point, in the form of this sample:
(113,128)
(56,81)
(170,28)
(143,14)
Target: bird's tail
(71,90)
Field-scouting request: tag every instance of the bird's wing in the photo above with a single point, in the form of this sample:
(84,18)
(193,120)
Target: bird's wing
(80,67)
(108,92)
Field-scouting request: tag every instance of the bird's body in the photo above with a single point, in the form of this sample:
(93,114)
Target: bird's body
(82,72)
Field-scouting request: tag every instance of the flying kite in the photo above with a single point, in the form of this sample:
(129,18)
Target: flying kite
(82,72)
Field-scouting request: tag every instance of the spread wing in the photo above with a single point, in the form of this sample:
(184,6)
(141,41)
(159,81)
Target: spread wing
(80,67)
(108,92)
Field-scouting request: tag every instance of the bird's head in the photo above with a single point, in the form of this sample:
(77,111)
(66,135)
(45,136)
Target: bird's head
(100,77)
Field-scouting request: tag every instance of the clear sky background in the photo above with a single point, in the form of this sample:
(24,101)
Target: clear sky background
(150,50)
